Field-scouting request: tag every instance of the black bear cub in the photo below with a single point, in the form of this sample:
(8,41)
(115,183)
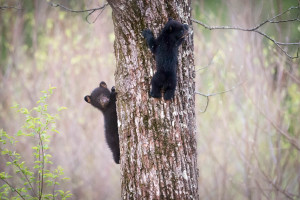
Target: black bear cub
(165,50)
(105,101)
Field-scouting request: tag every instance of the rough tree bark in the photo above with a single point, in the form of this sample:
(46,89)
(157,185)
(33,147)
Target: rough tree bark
(157,138)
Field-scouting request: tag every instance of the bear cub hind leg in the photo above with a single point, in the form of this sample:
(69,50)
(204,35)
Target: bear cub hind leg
(169,87)
(157,83)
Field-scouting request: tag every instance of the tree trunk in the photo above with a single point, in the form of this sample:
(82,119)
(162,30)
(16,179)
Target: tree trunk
(157,138)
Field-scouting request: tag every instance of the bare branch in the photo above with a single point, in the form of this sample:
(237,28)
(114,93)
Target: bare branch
(17,6)
(77,11)
(214,94)
(273,183)
(9,7)
(255,29)
(292,141)
(248,29)
(278,44)
(89,11)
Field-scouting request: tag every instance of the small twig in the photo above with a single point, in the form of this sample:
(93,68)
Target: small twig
(210,62)
(53,191)
(207,102)
(43,166)
(95,18)
(286,20)
(42,152)
(12,188)
(90,11)
(255,29)
(214,94)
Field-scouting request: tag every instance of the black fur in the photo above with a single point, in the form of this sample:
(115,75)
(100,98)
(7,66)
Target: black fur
(165,49)
(105,101)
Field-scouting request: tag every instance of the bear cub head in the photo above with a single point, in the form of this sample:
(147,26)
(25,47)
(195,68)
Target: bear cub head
(174,31)
(100,97)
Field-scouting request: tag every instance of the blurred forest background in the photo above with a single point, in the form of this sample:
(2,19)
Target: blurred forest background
(248,139)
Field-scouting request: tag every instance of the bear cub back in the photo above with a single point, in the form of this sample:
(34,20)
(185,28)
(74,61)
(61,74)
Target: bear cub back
(165,49)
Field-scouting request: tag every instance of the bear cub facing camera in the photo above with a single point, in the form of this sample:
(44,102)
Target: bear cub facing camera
(105,101)
(165,49)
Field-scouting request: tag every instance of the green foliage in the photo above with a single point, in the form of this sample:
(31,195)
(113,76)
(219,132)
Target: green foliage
(36,180)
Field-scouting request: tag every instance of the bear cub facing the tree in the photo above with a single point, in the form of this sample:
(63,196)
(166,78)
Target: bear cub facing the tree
(105,101)
(165,50)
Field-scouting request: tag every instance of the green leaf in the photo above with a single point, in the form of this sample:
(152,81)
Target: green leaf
(24,111)
(19,133)
(5,152)
(15,106)
(62,108)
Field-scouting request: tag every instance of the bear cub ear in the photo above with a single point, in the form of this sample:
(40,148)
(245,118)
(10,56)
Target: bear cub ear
(103,84)
(87,98)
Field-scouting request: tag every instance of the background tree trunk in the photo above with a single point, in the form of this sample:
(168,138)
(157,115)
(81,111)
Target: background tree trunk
(157,138)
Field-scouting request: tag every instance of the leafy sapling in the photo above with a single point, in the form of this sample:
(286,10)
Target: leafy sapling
(22,180)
